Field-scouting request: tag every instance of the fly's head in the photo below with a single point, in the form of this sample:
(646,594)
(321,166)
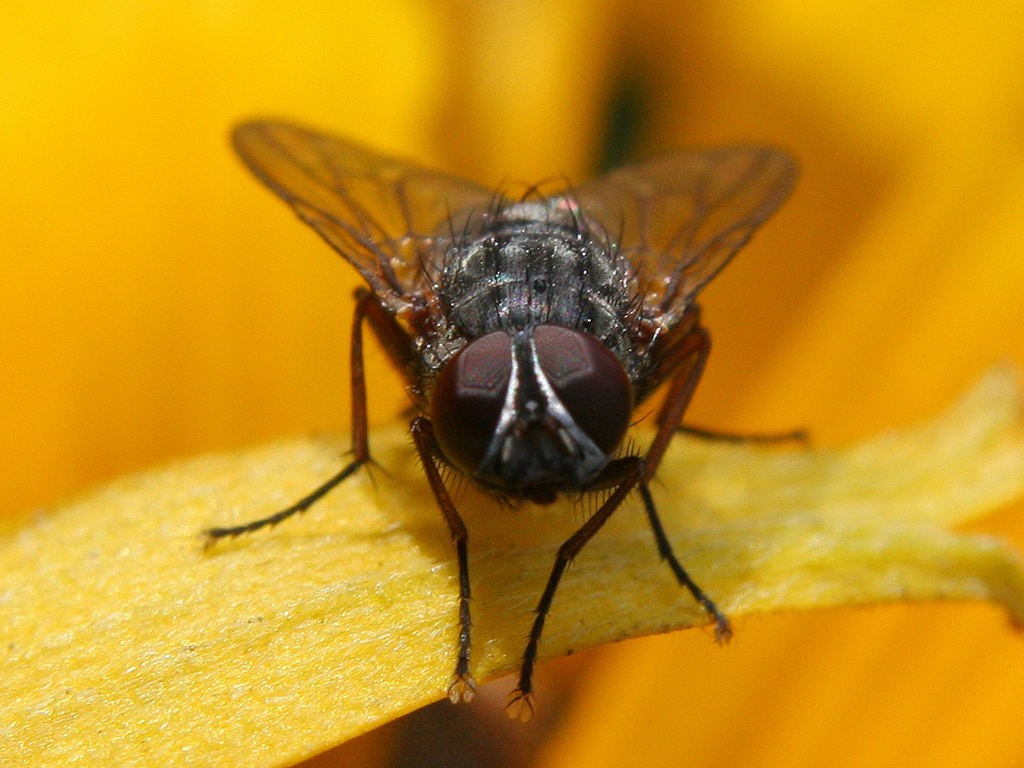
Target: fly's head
(532,413)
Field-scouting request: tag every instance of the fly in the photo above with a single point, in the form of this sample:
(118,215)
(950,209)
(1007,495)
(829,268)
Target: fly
(528,329)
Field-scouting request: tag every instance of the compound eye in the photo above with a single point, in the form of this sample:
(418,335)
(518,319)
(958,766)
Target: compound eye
(468,398)
(589,380)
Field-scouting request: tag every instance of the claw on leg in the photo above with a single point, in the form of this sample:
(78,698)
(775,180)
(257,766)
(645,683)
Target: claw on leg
(723,630)
(462,688)
(520,706)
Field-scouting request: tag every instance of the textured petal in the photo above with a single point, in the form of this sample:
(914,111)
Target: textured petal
(124,637)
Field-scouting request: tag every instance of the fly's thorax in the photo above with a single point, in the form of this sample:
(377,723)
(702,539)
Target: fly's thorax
(534,263)
(532,413)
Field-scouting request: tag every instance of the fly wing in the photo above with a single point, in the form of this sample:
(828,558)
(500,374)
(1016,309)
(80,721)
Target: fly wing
(680,218)
(383,215)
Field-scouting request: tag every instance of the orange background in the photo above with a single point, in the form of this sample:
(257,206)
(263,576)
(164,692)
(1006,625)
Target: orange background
(157,303)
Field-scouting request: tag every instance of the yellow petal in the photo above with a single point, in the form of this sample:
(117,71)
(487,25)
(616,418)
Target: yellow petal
(125,641)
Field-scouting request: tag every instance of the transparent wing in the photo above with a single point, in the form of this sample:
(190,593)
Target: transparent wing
(383,215)
(680,218)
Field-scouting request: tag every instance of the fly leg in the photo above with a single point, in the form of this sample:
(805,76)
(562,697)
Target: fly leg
(722,629)
(796,436)
(520,702)
(672,344)
(687,361)
(360,442)
(462,687)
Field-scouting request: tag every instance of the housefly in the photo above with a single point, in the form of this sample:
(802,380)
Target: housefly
(529,328)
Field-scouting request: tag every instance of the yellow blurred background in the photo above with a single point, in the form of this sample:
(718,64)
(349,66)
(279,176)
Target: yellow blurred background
(156,303)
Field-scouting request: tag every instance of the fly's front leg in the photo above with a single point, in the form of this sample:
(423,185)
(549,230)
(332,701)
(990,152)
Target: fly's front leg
(722,629)
(462,687)
(687,363)
(360,440)
(520,702)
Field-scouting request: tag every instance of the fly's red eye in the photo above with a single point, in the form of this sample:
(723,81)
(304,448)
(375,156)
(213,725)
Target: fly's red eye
(589,380)
(468,397)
